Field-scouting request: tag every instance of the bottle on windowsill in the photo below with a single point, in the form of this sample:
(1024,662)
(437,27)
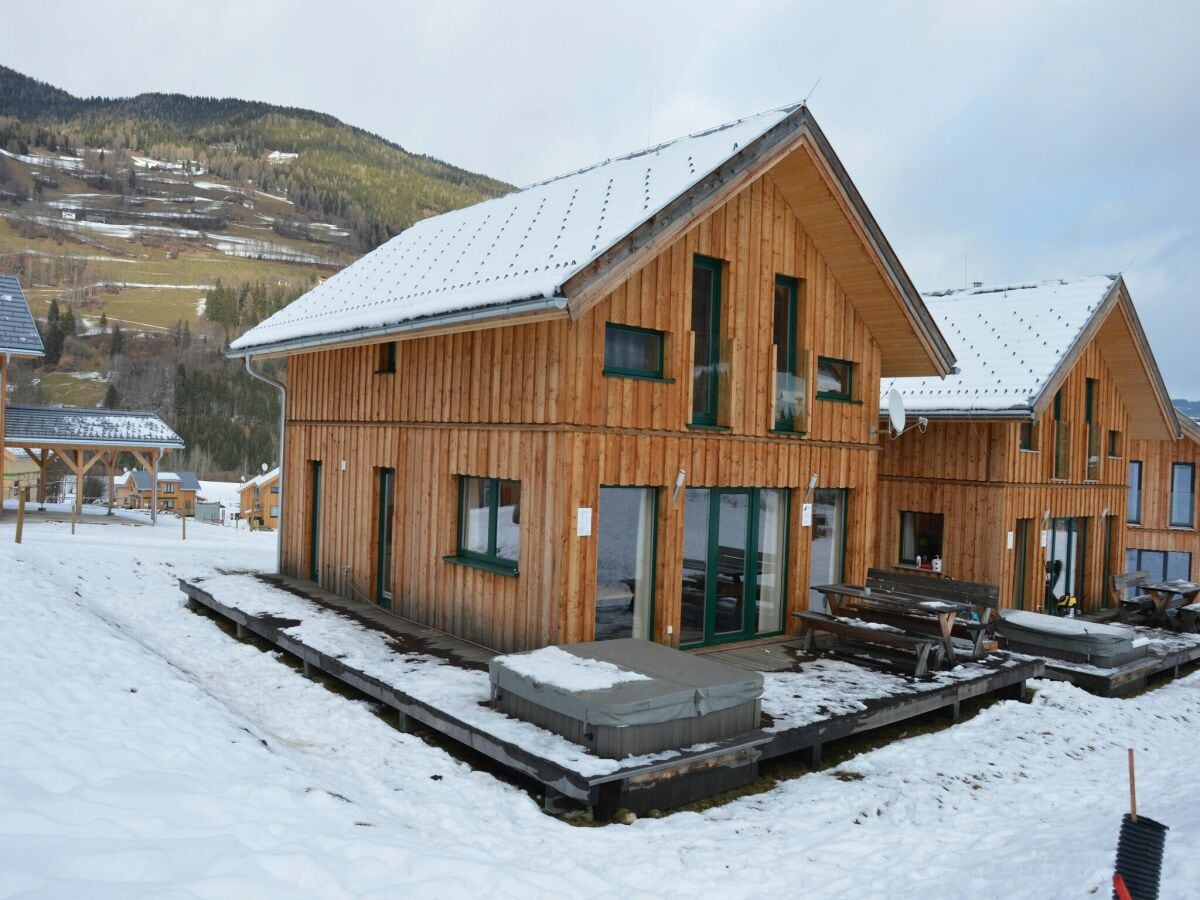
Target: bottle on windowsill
(937,564)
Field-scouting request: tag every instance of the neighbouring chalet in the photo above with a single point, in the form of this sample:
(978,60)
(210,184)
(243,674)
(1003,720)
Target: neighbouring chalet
(176,491)
(260,500)
(1161,535)
(594,407)
(81,438)
(1021,477)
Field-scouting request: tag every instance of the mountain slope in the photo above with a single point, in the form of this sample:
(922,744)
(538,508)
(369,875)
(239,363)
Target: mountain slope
(372,186)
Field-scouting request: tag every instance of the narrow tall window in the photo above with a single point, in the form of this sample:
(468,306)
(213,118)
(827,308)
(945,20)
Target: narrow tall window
(384,537)
(314,520)
(1093,431)
(489,523)
(789,387)
(1062,439)
(706,326)
(386,364)
(1133,513)
(1183,498)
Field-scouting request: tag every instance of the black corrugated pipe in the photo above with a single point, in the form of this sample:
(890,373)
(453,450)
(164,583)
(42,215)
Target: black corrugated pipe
(279,386)
(1139,856)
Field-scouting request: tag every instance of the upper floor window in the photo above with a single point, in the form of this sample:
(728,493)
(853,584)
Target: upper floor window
(1092,391)
(168,487)
(835,379)
(789,386)
(386,362)
(1116,447)
(633,352)
(489,522)
(1133,512)
(1183,497)
(706,326)
(1028,438)
(1062,439)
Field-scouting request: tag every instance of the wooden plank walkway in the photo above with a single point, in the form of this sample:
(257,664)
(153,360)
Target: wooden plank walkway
(682,778)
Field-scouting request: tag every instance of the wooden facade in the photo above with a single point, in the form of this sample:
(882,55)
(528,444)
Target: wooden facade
(1000,504)
(260,500)
(530,403)
(1149,511)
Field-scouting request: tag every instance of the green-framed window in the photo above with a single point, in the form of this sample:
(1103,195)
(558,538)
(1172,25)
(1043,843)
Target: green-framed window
(1062,439)
(706,326)
(489,523)
(835,379)
(633,352)
(1028,437)
(1092,469)
(789,385)
(386,359)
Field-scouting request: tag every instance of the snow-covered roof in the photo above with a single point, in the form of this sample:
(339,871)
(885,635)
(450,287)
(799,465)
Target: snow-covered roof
(519,247)
(141,479)
(18,332)
(1009,339)
(41,425)
(260,480)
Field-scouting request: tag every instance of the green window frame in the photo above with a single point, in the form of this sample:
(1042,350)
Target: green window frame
(787,380)
(1062,440)
(1092,460)
(846,394)
(612,366)
(493,557)
(1028,436)
(706,367)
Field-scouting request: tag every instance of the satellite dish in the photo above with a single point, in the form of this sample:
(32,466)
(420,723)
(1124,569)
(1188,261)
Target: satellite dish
(264,468)
(896,415)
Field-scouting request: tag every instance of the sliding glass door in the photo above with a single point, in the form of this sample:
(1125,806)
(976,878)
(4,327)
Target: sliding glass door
(735,564)
(625,553)
(1065,564)
(827,553)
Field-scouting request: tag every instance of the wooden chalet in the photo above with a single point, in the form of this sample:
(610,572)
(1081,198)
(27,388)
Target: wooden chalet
(176,491)
(1021,475)
(636,400)
(260,500)
(1161,535)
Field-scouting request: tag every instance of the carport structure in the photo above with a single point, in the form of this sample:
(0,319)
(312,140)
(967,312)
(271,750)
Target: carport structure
(83,438)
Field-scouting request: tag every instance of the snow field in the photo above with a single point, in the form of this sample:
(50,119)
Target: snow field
(145,752)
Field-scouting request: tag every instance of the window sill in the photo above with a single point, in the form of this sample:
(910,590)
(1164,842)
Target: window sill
(385,371)
(1027,450)
(787,433)
(1181,528)
(909,567)
(831,398)
(636,376)
(497,568)
(720,428)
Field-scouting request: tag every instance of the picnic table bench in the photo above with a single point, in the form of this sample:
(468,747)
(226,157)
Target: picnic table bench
(891,646)
(1141,604)
(1169,596)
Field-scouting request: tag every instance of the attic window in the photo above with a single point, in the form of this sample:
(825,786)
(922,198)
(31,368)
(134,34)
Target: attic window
(386,364)
(1029,436)
(1116,446)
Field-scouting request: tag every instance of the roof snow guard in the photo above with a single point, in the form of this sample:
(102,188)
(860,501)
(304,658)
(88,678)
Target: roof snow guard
(38,426)
(18,332)
(1017,343)
(553,249)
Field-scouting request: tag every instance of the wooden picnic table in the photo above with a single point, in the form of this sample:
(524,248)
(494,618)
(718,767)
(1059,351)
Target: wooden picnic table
(1163,591)
(943,611)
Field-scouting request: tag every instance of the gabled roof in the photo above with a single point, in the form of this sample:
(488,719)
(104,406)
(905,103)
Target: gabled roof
(260,480)
(18,332)
(554,248)
(66,425)
(1016,344)
(141,479)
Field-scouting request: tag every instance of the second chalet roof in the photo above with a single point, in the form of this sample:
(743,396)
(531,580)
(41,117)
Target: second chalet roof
(543,248)
(1016,342)
(18,332)
(66,425)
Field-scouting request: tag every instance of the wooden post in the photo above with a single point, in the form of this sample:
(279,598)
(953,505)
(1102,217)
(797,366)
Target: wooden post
(183,523)
(21,512)
(1132,789)
(110,459)
(154,487)
(42,461)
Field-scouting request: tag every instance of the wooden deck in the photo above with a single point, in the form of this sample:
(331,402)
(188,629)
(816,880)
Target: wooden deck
(1169,652)
(677,780)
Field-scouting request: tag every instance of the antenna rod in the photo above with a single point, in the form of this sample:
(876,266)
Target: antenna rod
(812,90)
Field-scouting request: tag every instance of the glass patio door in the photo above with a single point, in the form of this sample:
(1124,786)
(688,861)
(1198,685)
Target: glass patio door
(734,566)
(1064,568)
(827,553)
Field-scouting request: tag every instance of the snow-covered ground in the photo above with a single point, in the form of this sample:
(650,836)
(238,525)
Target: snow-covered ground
(144,752)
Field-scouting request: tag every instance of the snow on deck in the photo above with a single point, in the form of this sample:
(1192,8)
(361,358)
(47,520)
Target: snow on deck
(1009,341)
(521,246)
(147,754)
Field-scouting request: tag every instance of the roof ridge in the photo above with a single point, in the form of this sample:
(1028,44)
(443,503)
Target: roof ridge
(980,288)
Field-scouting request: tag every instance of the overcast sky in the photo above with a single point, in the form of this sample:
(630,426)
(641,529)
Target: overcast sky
(994,142)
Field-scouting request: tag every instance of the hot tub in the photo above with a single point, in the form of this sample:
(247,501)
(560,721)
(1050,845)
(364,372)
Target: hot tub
(1073,640)
(627,697)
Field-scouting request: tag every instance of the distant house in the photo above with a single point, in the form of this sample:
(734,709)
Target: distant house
(1021,477)
(638,400)
(260,500)
(20,472)
(176,491)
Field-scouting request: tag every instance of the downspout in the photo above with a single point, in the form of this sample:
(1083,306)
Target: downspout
(279,386)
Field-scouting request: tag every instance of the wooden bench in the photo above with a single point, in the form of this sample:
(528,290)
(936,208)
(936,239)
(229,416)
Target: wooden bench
(984,597)
(873,643)
(972,632)
(1138,607)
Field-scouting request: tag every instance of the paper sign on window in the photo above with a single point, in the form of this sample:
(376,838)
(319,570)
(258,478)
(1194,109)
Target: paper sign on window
(806,515)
